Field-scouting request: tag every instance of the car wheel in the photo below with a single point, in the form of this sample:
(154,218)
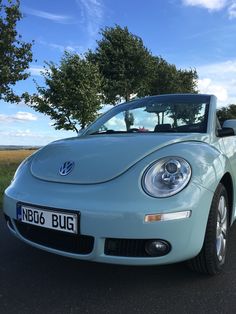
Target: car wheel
(211,258)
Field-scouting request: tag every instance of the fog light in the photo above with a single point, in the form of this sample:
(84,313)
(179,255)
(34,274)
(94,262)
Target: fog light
(157,247)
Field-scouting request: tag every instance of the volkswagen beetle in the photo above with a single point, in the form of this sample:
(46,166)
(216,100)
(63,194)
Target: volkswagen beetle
(150,182)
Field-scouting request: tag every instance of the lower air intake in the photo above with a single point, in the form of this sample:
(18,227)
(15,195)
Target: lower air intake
(62,241)
(126,247)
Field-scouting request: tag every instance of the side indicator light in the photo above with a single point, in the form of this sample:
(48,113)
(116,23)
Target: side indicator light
(167,216)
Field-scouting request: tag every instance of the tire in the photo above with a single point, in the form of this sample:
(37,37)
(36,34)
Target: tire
(211,258)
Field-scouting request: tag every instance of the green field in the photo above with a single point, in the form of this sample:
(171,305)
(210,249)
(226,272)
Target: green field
(9,161)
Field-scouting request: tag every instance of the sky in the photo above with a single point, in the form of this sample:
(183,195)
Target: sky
(197,34)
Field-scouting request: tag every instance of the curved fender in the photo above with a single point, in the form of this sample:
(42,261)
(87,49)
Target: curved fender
(208,164)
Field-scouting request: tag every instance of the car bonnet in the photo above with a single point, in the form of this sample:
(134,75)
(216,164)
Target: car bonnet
(98,158)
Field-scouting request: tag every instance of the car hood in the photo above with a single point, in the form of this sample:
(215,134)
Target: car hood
(98,158)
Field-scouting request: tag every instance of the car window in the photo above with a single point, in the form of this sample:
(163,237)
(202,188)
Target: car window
(151,116)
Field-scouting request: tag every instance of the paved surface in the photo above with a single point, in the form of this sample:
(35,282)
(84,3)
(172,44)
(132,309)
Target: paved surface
(33,281)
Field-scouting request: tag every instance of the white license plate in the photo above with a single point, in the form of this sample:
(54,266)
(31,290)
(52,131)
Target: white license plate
(50,219)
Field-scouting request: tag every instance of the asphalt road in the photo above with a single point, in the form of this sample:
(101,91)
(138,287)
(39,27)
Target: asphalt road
(33,281)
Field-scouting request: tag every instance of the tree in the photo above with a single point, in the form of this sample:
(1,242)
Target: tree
(124,62)
(129,119)
(167,79)
(15,55)
(185,113)
(128,67)
(227,112)
(71,94)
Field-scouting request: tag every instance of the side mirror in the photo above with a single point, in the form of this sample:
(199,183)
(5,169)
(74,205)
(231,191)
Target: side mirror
(228,128)
(230,124)
(225,132)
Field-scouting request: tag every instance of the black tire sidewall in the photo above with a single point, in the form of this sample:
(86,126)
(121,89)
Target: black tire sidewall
(210,252)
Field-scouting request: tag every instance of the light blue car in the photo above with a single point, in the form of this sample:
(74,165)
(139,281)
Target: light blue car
(150,182)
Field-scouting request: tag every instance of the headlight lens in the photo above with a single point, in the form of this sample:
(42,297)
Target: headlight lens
(166,177)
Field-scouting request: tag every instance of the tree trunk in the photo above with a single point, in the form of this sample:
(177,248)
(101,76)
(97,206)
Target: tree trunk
(162,118)
(73,125)
(127,97)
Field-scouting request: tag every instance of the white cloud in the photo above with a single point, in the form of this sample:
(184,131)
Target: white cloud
(92,15)
(63,19)
(36,70)
(219,79)
(214,5)
(62,48)
(23,133)
(70,47)
(29,137)
(206,86)
(221,69)
(232,10)
(20,116)
(25,116)
(24,137)
(208,4)
(116,123)
(15,133)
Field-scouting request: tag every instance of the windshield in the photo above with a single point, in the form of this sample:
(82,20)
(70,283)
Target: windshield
(155,114)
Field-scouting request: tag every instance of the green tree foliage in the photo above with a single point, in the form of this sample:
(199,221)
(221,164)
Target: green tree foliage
(120,66)
(167,79)
(15,55)
(227,112)
(185,113)
(71,92)
(124,62)
(128,67)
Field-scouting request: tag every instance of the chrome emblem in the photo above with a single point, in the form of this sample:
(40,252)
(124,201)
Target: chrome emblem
(66,168)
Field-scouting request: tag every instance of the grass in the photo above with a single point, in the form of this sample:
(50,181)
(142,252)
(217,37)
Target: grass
(9,161)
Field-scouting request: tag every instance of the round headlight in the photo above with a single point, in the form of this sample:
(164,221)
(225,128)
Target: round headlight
(166,177)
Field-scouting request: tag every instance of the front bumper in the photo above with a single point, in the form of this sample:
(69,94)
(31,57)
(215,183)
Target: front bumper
(106,214)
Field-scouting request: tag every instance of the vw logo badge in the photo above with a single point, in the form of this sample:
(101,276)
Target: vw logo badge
(66,168)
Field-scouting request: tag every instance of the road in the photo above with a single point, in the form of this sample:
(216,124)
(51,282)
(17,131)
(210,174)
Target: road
(33,281)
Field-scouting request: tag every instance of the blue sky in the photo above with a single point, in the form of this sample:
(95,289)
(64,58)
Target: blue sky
(197,34)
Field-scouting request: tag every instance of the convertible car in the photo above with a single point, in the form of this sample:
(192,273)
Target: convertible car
(150,182)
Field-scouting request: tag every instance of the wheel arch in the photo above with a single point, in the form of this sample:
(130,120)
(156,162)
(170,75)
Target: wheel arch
(227,181)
